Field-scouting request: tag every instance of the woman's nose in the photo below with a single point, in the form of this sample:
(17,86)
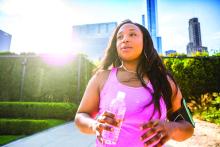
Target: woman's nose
(125,39)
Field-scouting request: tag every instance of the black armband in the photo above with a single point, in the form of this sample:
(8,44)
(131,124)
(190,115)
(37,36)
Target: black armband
(182,113)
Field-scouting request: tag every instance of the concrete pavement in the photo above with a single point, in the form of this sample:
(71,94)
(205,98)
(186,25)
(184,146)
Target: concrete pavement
(66,135)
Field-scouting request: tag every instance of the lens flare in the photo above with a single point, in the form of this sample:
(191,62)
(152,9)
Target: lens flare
(57,59)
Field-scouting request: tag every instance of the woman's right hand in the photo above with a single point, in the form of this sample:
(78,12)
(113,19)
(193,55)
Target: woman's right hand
(105,121)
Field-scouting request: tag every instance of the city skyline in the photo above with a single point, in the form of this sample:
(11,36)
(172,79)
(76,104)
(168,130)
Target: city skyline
(40,25)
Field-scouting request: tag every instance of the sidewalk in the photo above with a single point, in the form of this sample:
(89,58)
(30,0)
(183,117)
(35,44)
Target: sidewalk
(67,135)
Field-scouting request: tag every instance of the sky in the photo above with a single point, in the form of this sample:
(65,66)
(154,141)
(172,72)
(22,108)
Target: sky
(46,25)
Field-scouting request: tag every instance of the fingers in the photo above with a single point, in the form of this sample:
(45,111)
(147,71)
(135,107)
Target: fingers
(109,114)
(105,121)
(148,134)
(153,140)
(108,118)
(99,135)
(153,127)
(150,124)
(101,126)
(100,139)
(159,131)
(163,141)
(151,132)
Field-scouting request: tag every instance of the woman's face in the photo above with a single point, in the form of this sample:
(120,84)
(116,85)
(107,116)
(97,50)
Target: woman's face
(129,42)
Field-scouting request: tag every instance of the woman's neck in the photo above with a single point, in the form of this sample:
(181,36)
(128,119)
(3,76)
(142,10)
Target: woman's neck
(129,67)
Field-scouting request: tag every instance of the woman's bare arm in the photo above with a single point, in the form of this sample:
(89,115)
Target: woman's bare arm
(182,129)
(89,105)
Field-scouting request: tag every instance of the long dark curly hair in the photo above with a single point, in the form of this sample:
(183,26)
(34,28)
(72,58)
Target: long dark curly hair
(150,64)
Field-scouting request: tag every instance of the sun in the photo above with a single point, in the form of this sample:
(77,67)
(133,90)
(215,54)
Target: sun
(40,26)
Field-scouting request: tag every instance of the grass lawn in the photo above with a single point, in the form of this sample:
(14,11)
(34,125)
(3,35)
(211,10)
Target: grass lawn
(4,139)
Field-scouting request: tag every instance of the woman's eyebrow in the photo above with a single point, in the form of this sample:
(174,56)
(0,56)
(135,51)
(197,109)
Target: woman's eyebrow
(129,30)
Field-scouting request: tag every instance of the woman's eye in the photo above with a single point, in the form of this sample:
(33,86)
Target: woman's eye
(119,37)
(133,34)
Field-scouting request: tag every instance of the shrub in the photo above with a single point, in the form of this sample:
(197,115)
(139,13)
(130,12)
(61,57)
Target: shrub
(195,75)
(37,110)
(4,139)
(25,126)
(35,78)
(208,108)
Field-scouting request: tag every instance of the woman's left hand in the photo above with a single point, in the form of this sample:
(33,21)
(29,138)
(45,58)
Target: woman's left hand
(161,130)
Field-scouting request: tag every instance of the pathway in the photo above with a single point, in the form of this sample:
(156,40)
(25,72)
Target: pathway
(67,135)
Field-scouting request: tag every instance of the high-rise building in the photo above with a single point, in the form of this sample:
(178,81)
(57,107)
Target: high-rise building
(195,39)
(153,24)
(170,52)
(92,39)
(195,32)
(152,16)
(5,41)
(159,45)
(143,19)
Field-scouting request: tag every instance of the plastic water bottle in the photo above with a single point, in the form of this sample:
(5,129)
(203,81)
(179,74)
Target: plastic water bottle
(117,107)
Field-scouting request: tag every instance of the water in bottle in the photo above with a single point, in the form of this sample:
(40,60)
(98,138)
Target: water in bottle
(117,107)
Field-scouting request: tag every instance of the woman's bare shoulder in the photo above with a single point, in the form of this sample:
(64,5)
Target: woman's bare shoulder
(176,94)
(103,72)
(101,77)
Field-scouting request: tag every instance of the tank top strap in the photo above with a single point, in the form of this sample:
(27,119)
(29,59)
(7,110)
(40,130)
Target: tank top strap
(112,75)
(111,79)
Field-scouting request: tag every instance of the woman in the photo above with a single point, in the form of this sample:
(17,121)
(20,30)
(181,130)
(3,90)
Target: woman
(132,65)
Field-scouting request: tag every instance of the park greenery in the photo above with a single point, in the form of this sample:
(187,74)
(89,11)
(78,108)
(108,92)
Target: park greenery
(36,95)
(38,80)
(199,80)
(19,119)
(207,107)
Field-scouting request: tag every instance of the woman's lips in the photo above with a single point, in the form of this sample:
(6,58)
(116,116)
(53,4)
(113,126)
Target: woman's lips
(126,48)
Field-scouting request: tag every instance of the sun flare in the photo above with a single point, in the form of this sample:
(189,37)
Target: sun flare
(41,26)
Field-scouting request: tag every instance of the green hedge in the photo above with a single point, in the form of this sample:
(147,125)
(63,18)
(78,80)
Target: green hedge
(10,75)
(46,82)
(195,76)
(25,126)
(43,80)
(4,139)
(37,110)
(207,107)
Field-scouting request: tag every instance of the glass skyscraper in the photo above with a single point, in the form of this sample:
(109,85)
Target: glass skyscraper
(153,24)
(152,16)
(194,32)
(5,41)
(195,41)
(92,39)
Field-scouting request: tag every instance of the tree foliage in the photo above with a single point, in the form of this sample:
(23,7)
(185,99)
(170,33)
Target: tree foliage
(195,76)
(43,81)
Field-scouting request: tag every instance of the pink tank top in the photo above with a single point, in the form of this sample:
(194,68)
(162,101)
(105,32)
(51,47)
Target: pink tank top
(137,110)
